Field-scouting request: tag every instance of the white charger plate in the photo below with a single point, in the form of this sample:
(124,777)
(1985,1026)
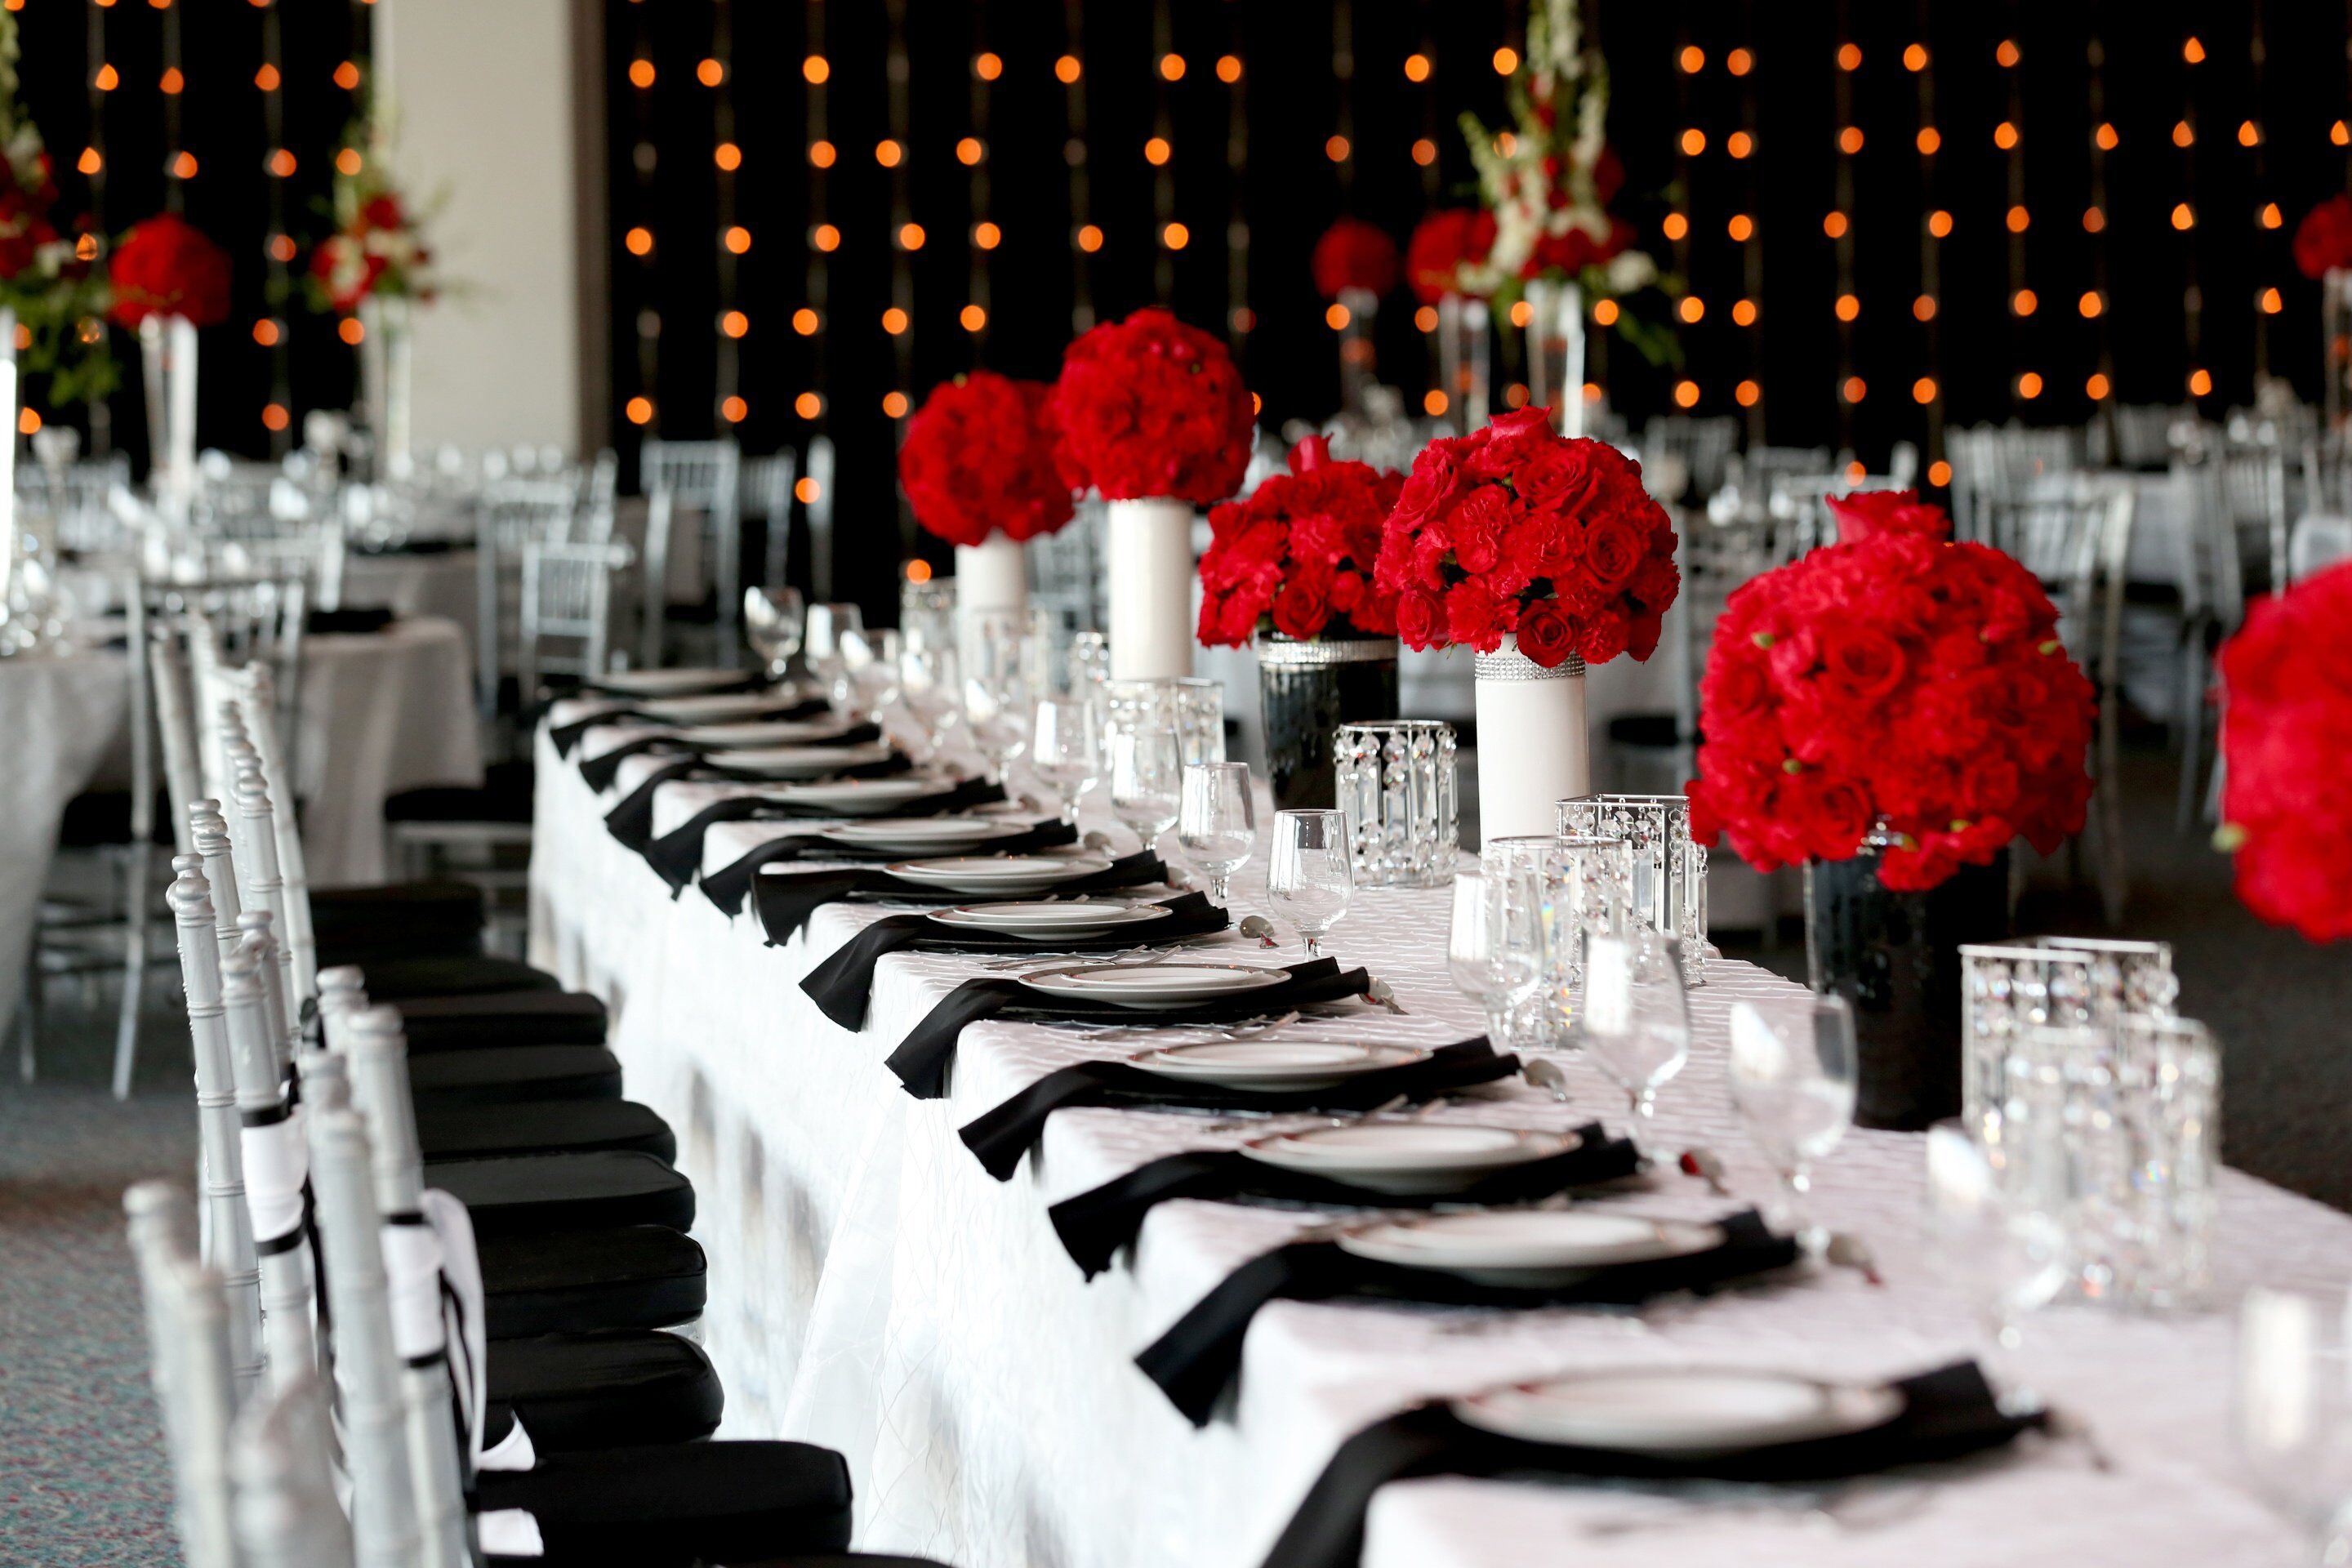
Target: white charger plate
(1175,983)
(1408,1156)
(1526,1247)
(667,682)
(862,797)
(749,733)
(995,874)
(803,762)
(1276,1064)
(912,835)
(1047,921)
(1680,1412)
(718,705)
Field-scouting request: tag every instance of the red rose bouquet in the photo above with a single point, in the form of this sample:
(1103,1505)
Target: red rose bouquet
(1868,514)
(1448,249)
(979,457)
(1900,680)
(165,268)
(2286,796)
(1353,254)
(1515,531)
(1150,407)
(1299,551)
(2323,240)
(378,247)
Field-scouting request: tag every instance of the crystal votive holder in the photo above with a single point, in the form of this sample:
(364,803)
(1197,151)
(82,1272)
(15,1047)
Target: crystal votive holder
(1585,891)
(2054,981)
(1193,705)
(1396,782)
(1669,873)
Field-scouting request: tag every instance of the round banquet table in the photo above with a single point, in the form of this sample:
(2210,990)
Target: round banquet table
(416,582)
(876,1292)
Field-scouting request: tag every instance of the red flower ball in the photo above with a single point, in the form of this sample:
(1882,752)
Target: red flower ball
(1866,514)
(1443,244)
(2287,797)
(1899,679)
(1513,530)
(1300,550)
(1150,407)
(1353,254)
(979,457)
(2323,240)
(165,268)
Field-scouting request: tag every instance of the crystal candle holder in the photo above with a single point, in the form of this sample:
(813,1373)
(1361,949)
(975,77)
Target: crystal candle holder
(2053,981)
(1396,782)
(1586,892)
(1669,872)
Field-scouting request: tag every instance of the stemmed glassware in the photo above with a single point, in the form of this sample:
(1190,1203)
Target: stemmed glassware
(774,620)
(2293,1415)
(2009,1254)
(1310,872)
(996,689)
(827,625)
(1497,972)
(930,686)
(871,659)
(1216,821)
(1792,1081)
(1635,1021)
(1067,752)
(1147,779)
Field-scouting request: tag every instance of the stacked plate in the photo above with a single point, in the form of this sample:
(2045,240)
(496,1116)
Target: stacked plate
(914,834)
(1046,922)
(1407,1157)
(1680,1412)
(803,762)
(1002,875)
(744,734)
(1276,1065)
(718,706)
(1155,985)
(862,797)
(668,682)
(1529,1248)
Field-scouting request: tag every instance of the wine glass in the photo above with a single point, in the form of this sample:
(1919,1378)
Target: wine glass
(826,624)
(2294,1411)
(1792,1082)
(871,659)
(1635,1021)
(2008,1254)
(1216,821)
(995,688)
(930,685)
(774,620)
(1067,749)
(1470,957)
(1147,779)
(1310,872)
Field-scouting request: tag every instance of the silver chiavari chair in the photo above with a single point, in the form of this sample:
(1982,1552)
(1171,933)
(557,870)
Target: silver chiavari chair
(702,480)
(567,598)
(271,801)
(283,1488)
(1703,446)
(277,1164)
(819,514)
(188,1329)
(514,514)
(768,495)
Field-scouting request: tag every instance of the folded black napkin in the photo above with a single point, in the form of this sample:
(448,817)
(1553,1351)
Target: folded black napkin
(600,769)
(844,983)
(921,1060)
(1946,1413)
(357,622)
(677,855)
(784,909)
(1002,1136)
(1095,1224)
(632,821)
(787,900)
(1194,1362)
(788,708)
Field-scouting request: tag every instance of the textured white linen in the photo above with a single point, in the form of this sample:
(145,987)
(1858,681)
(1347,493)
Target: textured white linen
(439,585)
(56,716)
(874,1290)
(381,713)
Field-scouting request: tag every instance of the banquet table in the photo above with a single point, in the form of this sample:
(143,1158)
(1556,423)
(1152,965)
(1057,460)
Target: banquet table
(875,1291)
(416,582)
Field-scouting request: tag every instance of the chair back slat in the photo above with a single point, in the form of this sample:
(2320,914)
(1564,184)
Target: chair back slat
(188,1336)
(284,1513)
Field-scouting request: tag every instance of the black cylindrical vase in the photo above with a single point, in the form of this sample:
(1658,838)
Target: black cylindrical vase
(1307,690)
(1895,958)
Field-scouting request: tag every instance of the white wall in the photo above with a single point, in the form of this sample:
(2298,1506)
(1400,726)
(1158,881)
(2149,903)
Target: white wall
(483,92)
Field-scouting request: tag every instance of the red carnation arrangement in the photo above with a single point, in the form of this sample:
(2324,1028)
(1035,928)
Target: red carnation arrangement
(1868,514)
(1150,407)
(2287,797)
(1353,254)
(166,268)
(2323,240)
(1446,244)
(1899,680)
(979,457)
(1300,550)
(1515,531)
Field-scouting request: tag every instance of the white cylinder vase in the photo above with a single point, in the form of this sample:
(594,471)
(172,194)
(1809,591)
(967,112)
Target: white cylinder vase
(993,576)
(1533,747)
(1150,553)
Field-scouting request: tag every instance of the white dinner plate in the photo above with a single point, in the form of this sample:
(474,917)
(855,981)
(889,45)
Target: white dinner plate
(1680,1414)
(1047,922)
(862,798)
(1006,875)
(1526,1247)
(1276,1064)
(802,761)
(1408,1156)
(667,682)
(746,734)
(717,705)
(1179,983)
(912,835)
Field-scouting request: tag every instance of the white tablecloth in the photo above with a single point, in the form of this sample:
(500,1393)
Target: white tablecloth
(56,716)
(874,1290)
(440,583)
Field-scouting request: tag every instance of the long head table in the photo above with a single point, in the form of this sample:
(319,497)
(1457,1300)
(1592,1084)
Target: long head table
(873,1289)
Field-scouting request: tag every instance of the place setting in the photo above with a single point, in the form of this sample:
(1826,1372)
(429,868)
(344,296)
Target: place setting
(859,853)
(677,855)
(631,819)
(785,703)
(778,748)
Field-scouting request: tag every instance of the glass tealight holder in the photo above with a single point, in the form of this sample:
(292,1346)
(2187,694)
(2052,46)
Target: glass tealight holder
(1397,782)
(1193,706)
(1586,893)
(1669,885)
(2053,981)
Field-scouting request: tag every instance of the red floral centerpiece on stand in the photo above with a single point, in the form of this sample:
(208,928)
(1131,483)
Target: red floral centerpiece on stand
(1892,712)
(1544,555)
(169,279)
(1153,416)
(1291,569)
(2286,796)
(978,469)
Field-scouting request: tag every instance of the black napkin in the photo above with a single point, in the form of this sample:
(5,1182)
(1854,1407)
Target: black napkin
(921,1060)
(787,900)
(600,769)
(1002,1136)
(1095,1224)
(1194,1362)
(632,821)
(783,910)
(1946,1413)
(787,707)
(356,622)
(677,855)
(434,546)
(844,983)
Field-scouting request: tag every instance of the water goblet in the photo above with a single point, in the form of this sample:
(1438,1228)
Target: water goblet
(1216,821)
(1989,1240)
(774,620)
(826,626)
(1067,752)
(1470,957)
(872,659)
(1147,779)
(1793,1073)
(2294,1411)
(1310,872)
(1635,1021)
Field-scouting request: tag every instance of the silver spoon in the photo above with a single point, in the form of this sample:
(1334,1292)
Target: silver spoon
(1545,1074)
(1380,990)
(1260,928)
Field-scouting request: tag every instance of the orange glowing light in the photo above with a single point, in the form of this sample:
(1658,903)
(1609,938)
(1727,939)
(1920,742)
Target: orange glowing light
(1914,58)
(1065,70)
(2006,53)
(108,79)
(347,77)
(808,406)
(1155,152)
(986,235)
(1739,144)
(910,236)
(2091,304)
(2201,384)
(1675,226)
(2271,302)
(1746,393)
(1426,319)
(709,73)
(640,410)
(816,70)
(1692,59)
(1686,395)
(1337,316)
(350,330)
(1171,68)
(804,322)
(274,416)
(1850,140)
(728,156)
(1694,142)
(1435,402)
(972,317)
(172,82)
(2183,216)
(1923,309)
(733,410)
(738,239)
(2024,301)
(1522,312)
(1741,228)
(987,67)
(1853,389)
(894,404)
(1848,307)
(184,166)
(734,323)
(1692,309)
(2018,219)
(1229,68)
(1336,149)
(265,332)
(281,162)
(639,240)
(1507,60)
(1835,225)
(823,154)
(1424,152)
(1739,62)
(2096,388)
(1090,239)
(1175,237)
(805,490)
(1416,69)
(641,73)
(1848,57)
(969,151)
(1743,314)
(1604,312)
(894,321)
(825,237)
(1929,138)
(1924,390)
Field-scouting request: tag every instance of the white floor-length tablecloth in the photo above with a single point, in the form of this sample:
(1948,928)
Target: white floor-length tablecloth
(56,716)
(873,1289)
(416,582)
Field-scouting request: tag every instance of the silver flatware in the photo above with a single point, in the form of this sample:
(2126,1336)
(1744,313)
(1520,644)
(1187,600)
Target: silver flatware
(1260,928)
(1708,1166)
(1847,1250)
(1545,1074)
(1382,992)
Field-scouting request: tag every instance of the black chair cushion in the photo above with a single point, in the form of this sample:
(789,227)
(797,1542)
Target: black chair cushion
(470,975)
(400,920)
(505,796)
(500,1075)
(462,1131)
(103,817)
(603,1390)
(634,1277)
(503,1019)
(672,1507)
(534,1194)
